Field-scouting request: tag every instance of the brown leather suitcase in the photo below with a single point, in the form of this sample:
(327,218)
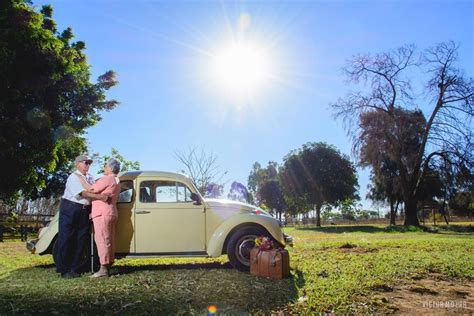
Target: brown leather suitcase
(274,263)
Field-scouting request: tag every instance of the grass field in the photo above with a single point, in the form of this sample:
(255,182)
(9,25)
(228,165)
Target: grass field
(343,269)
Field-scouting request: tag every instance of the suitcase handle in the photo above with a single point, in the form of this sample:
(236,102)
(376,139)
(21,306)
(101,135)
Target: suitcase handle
(274,259)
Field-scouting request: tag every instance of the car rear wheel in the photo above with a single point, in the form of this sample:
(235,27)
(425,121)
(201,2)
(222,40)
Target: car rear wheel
(240,244)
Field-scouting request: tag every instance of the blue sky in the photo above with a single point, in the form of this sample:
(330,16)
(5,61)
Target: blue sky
(163,52)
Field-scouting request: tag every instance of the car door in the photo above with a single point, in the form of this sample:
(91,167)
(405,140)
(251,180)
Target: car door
(167,221)
(124,243)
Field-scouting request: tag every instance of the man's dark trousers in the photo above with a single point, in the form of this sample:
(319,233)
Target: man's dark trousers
(74,234)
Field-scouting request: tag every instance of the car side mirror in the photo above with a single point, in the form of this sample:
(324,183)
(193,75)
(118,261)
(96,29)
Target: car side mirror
(196,198)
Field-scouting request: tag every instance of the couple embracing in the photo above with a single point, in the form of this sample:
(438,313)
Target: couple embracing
(85,199)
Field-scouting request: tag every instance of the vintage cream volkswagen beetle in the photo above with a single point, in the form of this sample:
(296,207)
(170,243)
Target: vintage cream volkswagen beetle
(163,214)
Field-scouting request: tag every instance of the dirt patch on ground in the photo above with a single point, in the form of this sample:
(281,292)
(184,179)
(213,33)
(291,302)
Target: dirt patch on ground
(351,248)
(433,295)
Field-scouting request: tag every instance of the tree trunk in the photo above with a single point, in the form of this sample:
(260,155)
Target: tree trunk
(411,216)
(443,210)
(318,215)
(393,213)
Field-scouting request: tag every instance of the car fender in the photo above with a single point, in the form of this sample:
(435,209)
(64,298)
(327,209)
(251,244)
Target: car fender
(218,238)
(47,236)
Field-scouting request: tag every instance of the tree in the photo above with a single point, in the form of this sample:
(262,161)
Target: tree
(458,189)
(271,195)
(238,192)
(201,167)
(319,174)
(446,133)
(46,101)
(214,190)
(385,188)
(266,186)
(255,178)
(125,165)
(381,143)
(259,175)
(348,209)
(462,203)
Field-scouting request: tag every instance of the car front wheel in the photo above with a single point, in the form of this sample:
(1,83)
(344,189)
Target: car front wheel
(240,244)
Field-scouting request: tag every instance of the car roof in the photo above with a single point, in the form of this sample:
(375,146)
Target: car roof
(130,175)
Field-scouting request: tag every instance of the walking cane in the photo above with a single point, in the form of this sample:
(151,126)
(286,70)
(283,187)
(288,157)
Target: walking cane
(92,251)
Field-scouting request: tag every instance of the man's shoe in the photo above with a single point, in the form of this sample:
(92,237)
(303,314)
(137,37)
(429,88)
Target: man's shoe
(70,275)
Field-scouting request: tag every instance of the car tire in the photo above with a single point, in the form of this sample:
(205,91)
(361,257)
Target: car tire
(85,265)
(240,244)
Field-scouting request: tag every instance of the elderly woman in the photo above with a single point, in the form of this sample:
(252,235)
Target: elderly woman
(104,215)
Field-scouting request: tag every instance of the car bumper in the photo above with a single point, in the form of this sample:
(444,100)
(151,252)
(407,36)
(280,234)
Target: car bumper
(31,245)
(288,240)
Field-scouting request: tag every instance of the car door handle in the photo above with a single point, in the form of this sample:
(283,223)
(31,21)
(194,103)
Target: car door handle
(141,212)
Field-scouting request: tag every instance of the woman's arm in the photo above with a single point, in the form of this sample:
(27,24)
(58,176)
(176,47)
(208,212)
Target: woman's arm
(96,196)
(85,184)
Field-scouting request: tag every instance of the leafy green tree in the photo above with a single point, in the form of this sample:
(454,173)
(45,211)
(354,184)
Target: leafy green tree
(266,186)
(381,143)
(255,177)
(46,101)
(348,209)
(259,175)
(271,194)
(238,192)
(125,165)
(462,203)
(320,175)
(448,96)
(296,204)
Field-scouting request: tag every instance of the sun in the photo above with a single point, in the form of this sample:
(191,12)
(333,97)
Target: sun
(240,68)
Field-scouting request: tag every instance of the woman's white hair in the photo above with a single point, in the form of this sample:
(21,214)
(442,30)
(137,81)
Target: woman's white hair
(114,165)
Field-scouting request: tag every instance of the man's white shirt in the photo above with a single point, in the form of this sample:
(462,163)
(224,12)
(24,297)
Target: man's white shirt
(74,188)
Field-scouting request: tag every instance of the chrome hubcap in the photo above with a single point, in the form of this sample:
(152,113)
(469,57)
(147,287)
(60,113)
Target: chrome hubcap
(245,245)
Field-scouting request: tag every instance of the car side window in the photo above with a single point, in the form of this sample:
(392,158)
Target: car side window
(147,193)
(126,192)
(164,192)
(183,193)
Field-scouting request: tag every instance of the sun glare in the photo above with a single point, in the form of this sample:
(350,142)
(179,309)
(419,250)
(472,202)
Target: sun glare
(240,68)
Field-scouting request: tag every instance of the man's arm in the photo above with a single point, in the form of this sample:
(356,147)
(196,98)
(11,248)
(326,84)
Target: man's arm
(95,196)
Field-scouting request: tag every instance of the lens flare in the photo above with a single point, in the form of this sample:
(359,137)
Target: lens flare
(240,68)
(211,309)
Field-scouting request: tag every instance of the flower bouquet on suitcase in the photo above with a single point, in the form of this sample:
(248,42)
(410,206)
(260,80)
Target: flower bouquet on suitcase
(269,261)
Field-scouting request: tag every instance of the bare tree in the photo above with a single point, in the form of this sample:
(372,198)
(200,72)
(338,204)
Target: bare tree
(202,167)
(447,101)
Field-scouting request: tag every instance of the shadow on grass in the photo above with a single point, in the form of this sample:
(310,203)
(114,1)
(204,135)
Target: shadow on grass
(147,289)
(388,229)
(344,229)
(46,266)
(160,267)
(458,228)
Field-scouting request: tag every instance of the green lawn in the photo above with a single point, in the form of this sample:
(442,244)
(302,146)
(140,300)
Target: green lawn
(333,268)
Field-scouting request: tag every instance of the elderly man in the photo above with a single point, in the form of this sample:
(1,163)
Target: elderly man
(74,222)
